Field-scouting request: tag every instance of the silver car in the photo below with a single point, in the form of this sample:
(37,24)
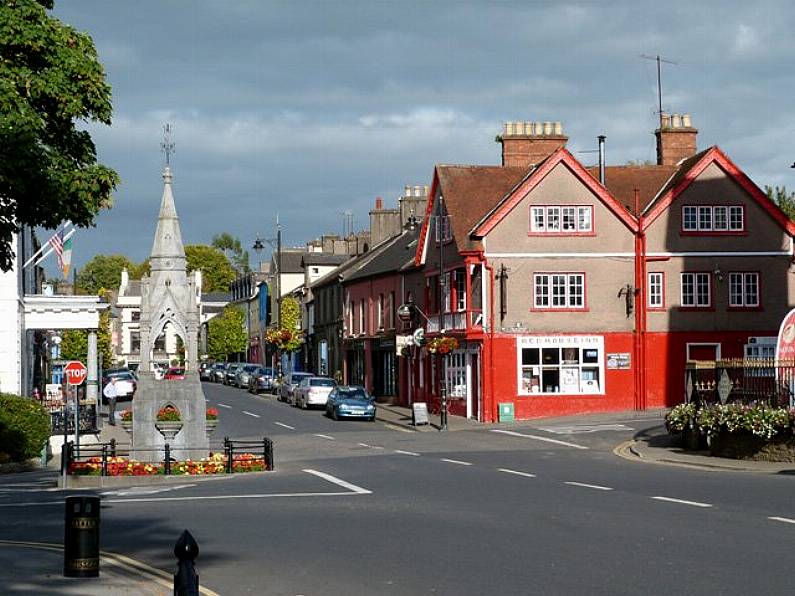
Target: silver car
(243,375)
(288,385)
(313,391)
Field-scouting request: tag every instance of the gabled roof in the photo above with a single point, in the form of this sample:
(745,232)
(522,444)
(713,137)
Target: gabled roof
(322,258)
(469,192)
(622,181)
(292,261)
(391,257)
(691,168)
(560,156)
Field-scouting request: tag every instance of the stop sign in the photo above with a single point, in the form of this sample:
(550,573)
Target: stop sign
(75,373)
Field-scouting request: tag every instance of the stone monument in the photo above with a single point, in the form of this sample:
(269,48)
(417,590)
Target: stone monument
(169,297)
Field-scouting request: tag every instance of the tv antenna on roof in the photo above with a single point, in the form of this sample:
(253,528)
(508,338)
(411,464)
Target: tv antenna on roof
(659,59)
(167,146)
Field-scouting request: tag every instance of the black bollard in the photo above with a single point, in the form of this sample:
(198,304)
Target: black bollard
(81,537)
(186,580)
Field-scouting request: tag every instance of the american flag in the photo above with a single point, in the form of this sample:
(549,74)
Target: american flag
(57,245)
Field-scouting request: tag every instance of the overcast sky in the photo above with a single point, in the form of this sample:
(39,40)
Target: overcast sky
(308,109)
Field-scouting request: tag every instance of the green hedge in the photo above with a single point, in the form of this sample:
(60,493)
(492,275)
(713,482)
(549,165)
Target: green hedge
(24,428)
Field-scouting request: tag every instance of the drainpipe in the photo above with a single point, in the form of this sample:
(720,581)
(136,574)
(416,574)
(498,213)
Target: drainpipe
(640,308)
(491,406)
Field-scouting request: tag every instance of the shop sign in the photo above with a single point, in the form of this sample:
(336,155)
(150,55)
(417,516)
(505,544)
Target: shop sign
(619,360)
(401,342)
(534,341)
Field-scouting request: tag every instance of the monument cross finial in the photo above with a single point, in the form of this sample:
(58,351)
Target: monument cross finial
(167,146)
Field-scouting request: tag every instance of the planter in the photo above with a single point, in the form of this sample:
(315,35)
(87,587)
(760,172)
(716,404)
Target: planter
(169,430)
(693,440)
(210,426)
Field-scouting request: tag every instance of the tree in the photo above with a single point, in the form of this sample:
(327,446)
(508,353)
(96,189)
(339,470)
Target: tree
(233,250)
(50,76)
(782,198)
(217,272)
(226,334)
(103,271)
(287,338)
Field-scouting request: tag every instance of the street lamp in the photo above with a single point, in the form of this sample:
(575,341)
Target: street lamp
(441,220)
(258,248)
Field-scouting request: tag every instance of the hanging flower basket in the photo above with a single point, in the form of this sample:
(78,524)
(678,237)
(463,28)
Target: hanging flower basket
(442,345)
(211,420)
(168,422)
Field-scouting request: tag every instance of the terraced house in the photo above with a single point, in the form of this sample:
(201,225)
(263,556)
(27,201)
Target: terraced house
(583,289)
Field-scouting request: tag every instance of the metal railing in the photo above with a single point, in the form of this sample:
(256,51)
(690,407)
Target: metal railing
(757,380)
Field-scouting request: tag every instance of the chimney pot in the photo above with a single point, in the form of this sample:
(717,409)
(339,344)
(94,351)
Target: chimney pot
(676,139)
(526,143)
(379,203)
(558,128)
(665,120)
(686,122)
(547,128)
(676,121)
(407,191)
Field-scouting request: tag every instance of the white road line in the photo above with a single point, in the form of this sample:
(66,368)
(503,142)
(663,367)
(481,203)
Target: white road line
(284,425)
(594,486)
(247,413)
(682,501)
(517,473)
(786,520)
(455,461)
(325,437)
(537,438)
(198,498)
(339,482)
(225,406)
(407,452)
(375,447)
(363,445)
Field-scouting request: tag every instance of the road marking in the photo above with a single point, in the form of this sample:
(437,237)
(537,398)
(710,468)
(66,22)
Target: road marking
(363,445)
(594,486)
(392,426)
(456,461)
(576,429)
(786,520)
(285,425)
(682,501)
(142,490)
(517,473)
(339,482)
(224,406)
(537,438)
(247,413)
(325,437)
(407,452)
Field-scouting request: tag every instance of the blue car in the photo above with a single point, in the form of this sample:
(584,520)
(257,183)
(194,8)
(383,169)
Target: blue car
(350,401)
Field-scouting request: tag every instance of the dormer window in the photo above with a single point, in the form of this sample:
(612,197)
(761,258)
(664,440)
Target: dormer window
(713,219)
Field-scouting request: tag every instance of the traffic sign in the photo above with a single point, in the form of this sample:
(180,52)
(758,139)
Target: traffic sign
(419,337)
(75,372)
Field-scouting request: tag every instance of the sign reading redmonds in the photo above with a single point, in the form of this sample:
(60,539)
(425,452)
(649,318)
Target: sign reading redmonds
(785,346)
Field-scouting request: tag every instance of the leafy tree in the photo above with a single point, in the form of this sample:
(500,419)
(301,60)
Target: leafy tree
(103,271)
(233,250)
(785,200)
(217,272)
(50,76)
(226,334)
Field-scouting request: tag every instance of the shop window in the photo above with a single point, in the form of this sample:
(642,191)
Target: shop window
(456,377)
(561,365)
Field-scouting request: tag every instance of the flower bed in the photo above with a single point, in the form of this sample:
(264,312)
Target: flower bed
(740,431)
(122,466)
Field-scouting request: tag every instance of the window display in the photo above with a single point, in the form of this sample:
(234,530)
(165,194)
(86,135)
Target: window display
(561,365)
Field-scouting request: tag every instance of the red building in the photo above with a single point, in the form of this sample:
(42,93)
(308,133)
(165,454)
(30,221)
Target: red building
(575,289)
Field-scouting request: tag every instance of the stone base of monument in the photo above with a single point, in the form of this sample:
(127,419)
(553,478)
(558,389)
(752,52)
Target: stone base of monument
(190,442)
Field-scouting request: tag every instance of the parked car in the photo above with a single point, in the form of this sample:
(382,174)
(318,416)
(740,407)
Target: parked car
(218,372)
(288,384)
(243,375)
(350,401)
(159,369)
(174,374)
(126,383)
(261,380)
(313,391)
(205,371)
(229,374)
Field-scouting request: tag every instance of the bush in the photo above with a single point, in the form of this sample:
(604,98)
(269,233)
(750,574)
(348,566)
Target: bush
(24,428)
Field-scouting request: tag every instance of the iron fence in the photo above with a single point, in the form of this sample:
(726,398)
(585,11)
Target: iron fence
(744,380)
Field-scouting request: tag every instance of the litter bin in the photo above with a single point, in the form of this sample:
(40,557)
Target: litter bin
(506,412)
(81,537)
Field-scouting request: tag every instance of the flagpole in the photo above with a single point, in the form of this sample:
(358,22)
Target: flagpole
(46,244)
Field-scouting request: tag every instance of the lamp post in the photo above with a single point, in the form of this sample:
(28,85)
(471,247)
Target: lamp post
(440,221)
(258,248)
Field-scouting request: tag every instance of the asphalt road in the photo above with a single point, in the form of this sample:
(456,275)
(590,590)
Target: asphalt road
(358,508)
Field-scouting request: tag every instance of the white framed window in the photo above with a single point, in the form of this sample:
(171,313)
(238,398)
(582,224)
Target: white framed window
(696,290)
(442,228)
(656,292)
(557,219)
(379,313)
(761,347)
(361,317)
(559,290)
(560,365)
(743,290)
(460,290)
(456,369)
(713,218)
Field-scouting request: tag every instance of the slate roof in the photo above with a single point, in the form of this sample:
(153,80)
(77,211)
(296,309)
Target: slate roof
(292,261)
(391,256)
(133,288)
(216,297)
(320,258)
(621,182)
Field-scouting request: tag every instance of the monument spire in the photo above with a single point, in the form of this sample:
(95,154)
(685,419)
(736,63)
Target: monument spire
(168,253)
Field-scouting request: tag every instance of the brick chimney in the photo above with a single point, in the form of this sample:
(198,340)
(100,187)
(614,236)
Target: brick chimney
(529,143)
(676,139)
